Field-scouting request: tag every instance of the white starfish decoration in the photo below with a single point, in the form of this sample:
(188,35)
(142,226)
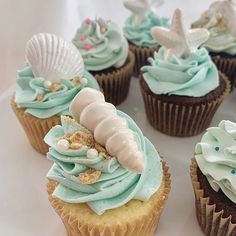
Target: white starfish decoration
(140,7)
(177,40)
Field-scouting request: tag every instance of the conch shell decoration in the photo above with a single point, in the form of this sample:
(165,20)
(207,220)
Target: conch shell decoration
(110,130)
(178,40)
(219,13)
(140,7)
(53,58)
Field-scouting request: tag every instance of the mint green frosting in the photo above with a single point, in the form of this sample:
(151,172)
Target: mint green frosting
(216,157)
(107,49)
(141,34)
(53,103)
(116,185)
(221,40)
(193,76)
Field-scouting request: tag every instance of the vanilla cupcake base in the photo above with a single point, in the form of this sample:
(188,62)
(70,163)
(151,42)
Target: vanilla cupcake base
(211,222)
(35,128)
(133,219)
(141,56)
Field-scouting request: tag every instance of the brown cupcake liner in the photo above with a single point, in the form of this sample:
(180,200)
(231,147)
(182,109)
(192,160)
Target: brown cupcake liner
(141,56)
(115,84)
(211,222)
(35,128)
(74,216)
(181,120)
(228,67)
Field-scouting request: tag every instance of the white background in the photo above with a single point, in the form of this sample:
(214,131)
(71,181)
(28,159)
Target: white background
(24,208)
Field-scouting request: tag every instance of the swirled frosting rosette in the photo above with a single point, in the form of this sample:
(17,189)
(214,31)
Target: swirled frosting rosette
(44,102)
(103,167)
(140,34)
(194,76)
(216,157)
(101,44)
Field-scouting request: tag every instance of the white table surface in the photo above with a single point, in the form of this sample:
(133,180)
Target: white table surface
(24,207)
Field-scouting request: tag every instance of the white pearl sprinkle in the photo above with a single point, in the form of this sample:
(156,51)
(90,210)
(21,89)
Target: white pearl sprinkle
(92,153)
(63,145)
(83,81)
(47,84)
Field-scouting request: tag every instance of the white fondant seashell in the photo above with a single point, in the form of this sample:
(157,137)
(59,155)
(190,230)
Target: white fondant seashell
(108,124)
(127,156)
(122,138)
(85,97)
(109,129)
(219,12)
(91,115)
(53,58)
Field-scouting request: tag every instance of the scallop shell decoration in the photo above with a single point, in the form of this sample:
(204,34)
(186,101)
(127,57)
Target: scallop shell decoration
(53,58)
(110,130)
(219,12)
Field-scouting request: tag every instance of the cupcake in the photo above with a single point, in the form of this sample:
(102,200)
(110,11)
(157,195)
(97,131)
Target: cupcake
(54,73)
(220,20)
(137,31)
(213,174)
(107,178)
(181,87)
(106,55)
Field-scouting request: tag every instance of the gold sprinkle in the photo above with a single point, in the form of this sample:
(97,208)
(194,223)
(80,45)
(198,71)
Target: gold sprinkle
(76,81)
(55,87)
(80,138)
(75,146)
(39,97)
(90,176)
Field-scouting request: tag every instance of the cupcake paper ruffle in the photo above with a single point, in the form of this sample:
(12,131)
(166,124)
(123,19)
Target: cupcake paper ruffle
(211,222)
(115,84)
(35,128)
(141,56)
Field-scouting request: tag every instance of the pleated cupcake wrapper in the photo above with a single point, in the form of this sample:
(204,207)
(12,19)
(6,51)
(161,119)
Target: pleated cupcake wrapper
(141,56)
(181,120)
(211,222)
(144,225)
(228,67)
(35,128)
(115,85)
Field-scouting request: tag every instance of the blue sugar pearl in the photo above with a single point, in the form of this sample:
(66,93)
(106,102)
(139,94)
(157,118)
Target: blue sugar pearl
(233,172)
(217,149)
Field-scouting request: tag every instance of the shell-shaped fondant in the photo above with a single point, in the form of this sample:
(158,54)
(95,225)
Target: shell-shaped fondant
(53,58)
(110,130)
(219,12)
(108,124)
(83,99)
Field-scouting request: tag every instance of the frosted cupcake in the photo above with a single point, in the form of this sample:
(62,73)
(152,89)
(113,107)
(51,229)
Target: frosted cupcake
(107,178)
(137,31)
(213,173)
(53,75)
(106,55)
(182,88)
(220,20)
